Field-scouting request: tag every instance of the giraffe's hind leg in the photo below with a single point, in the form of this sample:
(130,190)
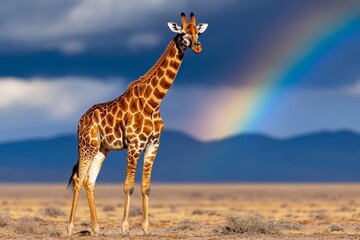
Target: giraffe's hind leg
(86,155)
(89,184)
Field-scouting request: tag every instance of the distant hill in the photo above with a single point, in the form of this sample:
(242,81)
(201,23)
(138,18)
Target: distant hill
(319,157)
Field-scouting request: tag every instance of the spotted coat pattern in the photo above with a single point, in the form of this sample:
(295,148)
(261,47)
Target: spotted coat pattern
(133,122)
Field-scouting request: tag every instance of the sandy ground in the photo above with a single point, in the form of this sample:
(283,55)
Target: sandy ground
(185,211)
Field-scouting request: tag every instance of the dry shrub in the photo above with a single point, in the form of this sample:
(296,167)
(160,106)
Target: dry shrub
(203,212)
(37,219)
(319,215)
(284,205)
(187,224)
(26,225)
(53,212)
(4,221)
(108,208)
(254,223)
(345,209)
(135,212)
(55,233)
(335,228)
(290,225)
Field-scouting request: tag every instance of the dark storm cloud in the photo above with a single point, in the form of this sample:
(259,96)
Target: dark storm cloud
(101,39)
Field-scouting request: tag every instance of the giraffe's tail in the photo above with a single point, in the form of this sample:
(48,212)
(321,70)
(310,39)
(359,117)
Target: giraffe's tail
(71,180)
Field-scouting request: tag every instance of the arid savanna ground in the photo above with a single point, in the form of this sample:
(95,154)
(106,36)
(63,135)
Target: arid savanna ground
(191,211)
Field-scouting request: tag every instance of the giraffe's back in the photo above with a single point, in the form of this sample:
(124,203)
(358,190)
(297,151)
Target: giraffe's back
(115,124)
(103,125)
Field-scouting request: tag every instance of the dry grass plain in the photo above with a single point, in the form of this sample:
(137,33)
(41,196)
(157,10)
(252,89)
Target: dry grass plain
(258,211)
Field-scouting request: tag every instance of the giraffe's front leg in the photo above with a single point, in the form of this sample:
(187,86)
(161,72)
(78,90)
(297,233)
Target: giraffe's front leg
(129,185)
(149,157)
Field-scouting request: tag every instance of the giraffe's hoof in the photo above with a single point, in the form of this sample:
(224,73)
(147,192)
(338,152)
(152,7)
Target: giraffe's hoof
(145,228)
(70,229)
(125,229)
(96,229)
(148,234)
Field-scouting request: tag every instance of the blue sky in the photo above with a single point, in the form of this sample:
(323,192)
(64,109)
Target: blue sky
(57,58)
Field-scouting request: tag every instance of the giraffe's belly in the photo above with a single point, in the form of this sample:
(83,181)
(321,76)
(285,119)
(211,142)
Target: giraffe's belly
(112,139)
(114,144)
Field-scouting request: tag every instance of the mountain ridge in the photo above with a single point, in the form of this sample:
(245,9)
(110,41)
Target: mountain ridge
(317,157)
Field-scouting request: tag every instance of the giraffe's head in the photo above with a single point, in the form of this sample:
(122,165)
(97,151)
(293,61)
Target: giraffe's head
(189,32)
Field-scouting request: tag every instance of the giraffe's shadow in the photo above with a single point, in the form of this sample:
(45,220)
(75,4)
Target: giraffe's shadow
(83,233)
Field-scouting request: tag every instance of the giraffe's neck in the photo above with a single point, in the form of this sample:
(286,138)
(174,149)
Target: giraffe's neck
(153,86)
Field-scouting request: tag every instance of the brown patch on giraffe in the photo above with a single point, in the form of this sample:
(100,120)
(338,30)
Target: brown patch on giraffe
(110,138)
(175,65)
(133,105)
(122,105)
(148,91)
(142,137)
(138,118)
(114,110)
(148,122)
(137,130)
(165,84)
(103,122)
(152,102)
(110,119)
(147,165)
(165,63)
(94,143)
(160,72)
(120,115)
(158,94)
(170,74)
(172,53)
(147,130)
(154,82)
(108,130)
(143,144)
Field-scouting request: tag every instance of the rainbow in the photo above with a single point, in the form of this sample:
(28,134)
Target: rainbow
(293,54)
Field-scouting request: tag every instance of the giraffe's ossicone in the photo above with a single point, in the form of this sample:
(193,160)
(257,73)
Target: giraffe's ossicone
(132,121)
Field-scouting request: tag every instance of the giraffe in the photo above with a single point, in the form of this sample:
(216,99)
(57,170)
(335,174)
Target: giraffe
(133,122)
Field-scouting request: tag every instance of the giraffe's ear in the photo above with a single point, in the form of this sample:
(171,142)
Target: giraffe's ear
(174,27)
(201,27)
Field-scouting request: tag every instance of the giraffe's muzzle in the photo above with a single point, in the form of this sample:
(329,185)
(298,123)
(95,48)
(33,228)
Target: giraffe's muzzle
(196,47)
